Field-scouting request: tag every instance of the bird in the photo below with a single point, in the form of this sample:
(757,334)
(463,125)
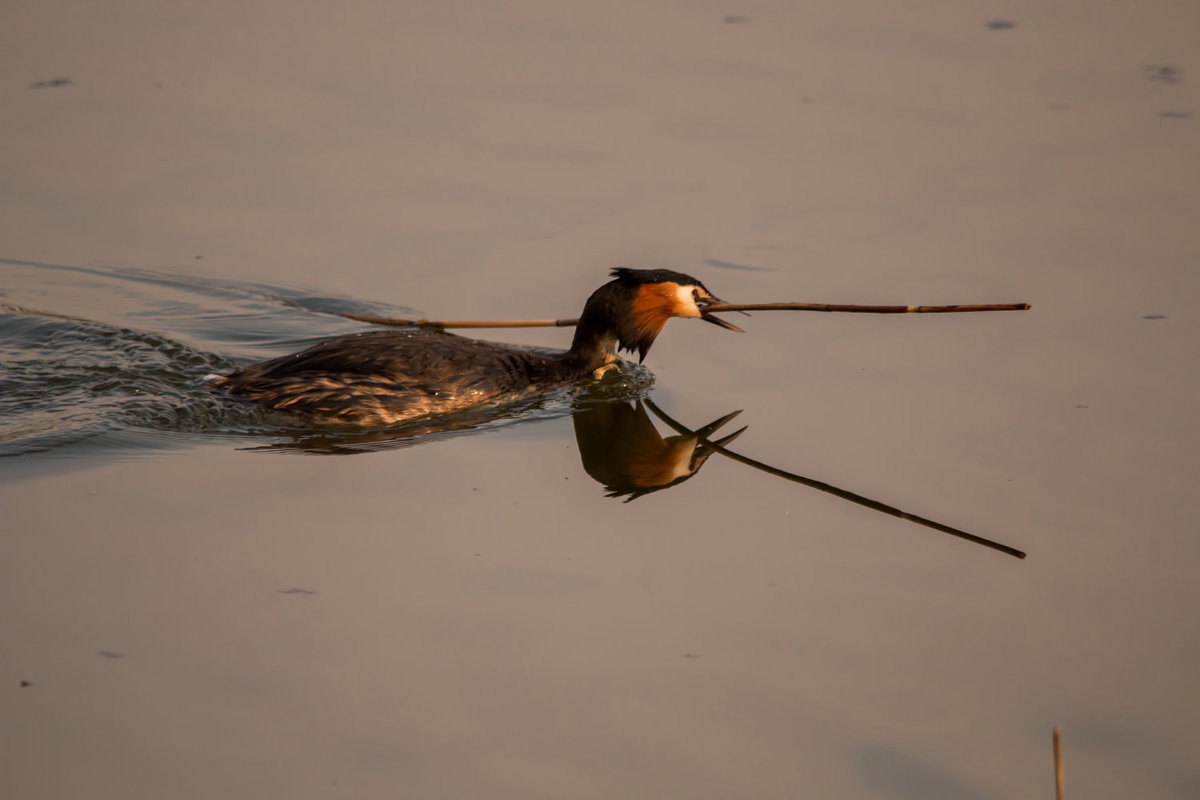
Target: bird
(385,378)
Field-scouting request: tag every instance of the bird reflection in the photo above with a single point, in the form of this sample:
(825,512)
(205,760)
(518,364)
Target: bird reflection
(623,451)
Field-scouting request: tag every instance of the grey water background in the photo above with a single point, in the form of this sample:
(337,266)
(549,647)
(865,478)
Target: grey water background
(186,187)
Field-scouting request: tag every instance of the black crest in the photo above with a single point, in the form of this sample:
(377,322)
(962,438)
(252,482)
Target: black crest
(636,277)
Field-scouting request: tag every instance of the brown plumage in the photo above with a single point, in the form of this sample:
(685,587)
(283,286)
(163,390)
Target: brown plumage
(386,377)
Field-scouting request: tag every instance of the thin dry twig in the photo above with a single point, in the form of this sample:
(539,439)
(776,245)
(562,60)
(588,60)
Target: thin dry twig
(1058,764)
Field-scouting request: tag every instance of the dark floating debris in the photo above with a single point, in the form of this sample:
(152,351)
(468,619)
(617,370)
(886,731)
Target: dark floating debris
(109,654)
(1000,25)
(1082,405)
(53,83)
(1155,316)
(26,684)
(1163,73)
(715,262)
(297,590)
(1176,114)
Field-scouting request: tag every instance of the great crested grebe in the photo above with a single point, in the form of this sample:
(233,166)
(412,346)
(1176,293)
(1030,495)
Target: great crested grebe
(386,377)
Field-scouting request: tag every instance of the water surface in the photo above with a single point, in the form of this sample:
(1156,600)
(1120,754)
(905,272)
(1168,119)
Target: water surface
(196,601)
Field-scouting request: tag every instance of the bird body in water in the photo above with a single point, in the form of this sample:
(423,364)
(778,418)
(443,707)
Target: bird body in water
(387,377)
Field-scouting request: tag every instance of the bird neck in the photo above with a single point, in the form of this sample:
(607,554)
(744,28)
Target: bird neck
(619,315)
(598,333)
(594,345)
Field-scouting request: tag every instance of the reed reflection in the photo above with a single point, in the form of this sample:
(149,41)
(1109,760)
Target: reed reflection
(845,494)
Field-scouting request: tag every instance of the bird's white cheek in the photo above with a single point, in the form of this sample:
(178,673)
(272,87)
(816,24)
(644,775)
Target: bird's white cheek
(685,302)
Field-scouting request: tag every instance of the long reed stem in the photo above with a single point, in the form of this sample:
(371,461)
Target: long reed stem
(716,307)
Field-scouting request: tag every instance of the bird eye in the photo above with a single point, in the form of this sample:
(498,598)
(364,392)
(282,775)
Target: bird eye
(695,294)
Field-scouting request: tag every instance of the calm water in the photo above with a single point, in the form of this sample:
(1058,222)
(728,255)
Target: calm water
(196,601)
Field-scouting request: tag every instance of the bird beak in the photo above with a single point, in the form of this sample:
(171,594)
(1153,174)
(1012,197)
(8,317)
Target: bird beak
(706,301)
(718,321)
(711,428)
